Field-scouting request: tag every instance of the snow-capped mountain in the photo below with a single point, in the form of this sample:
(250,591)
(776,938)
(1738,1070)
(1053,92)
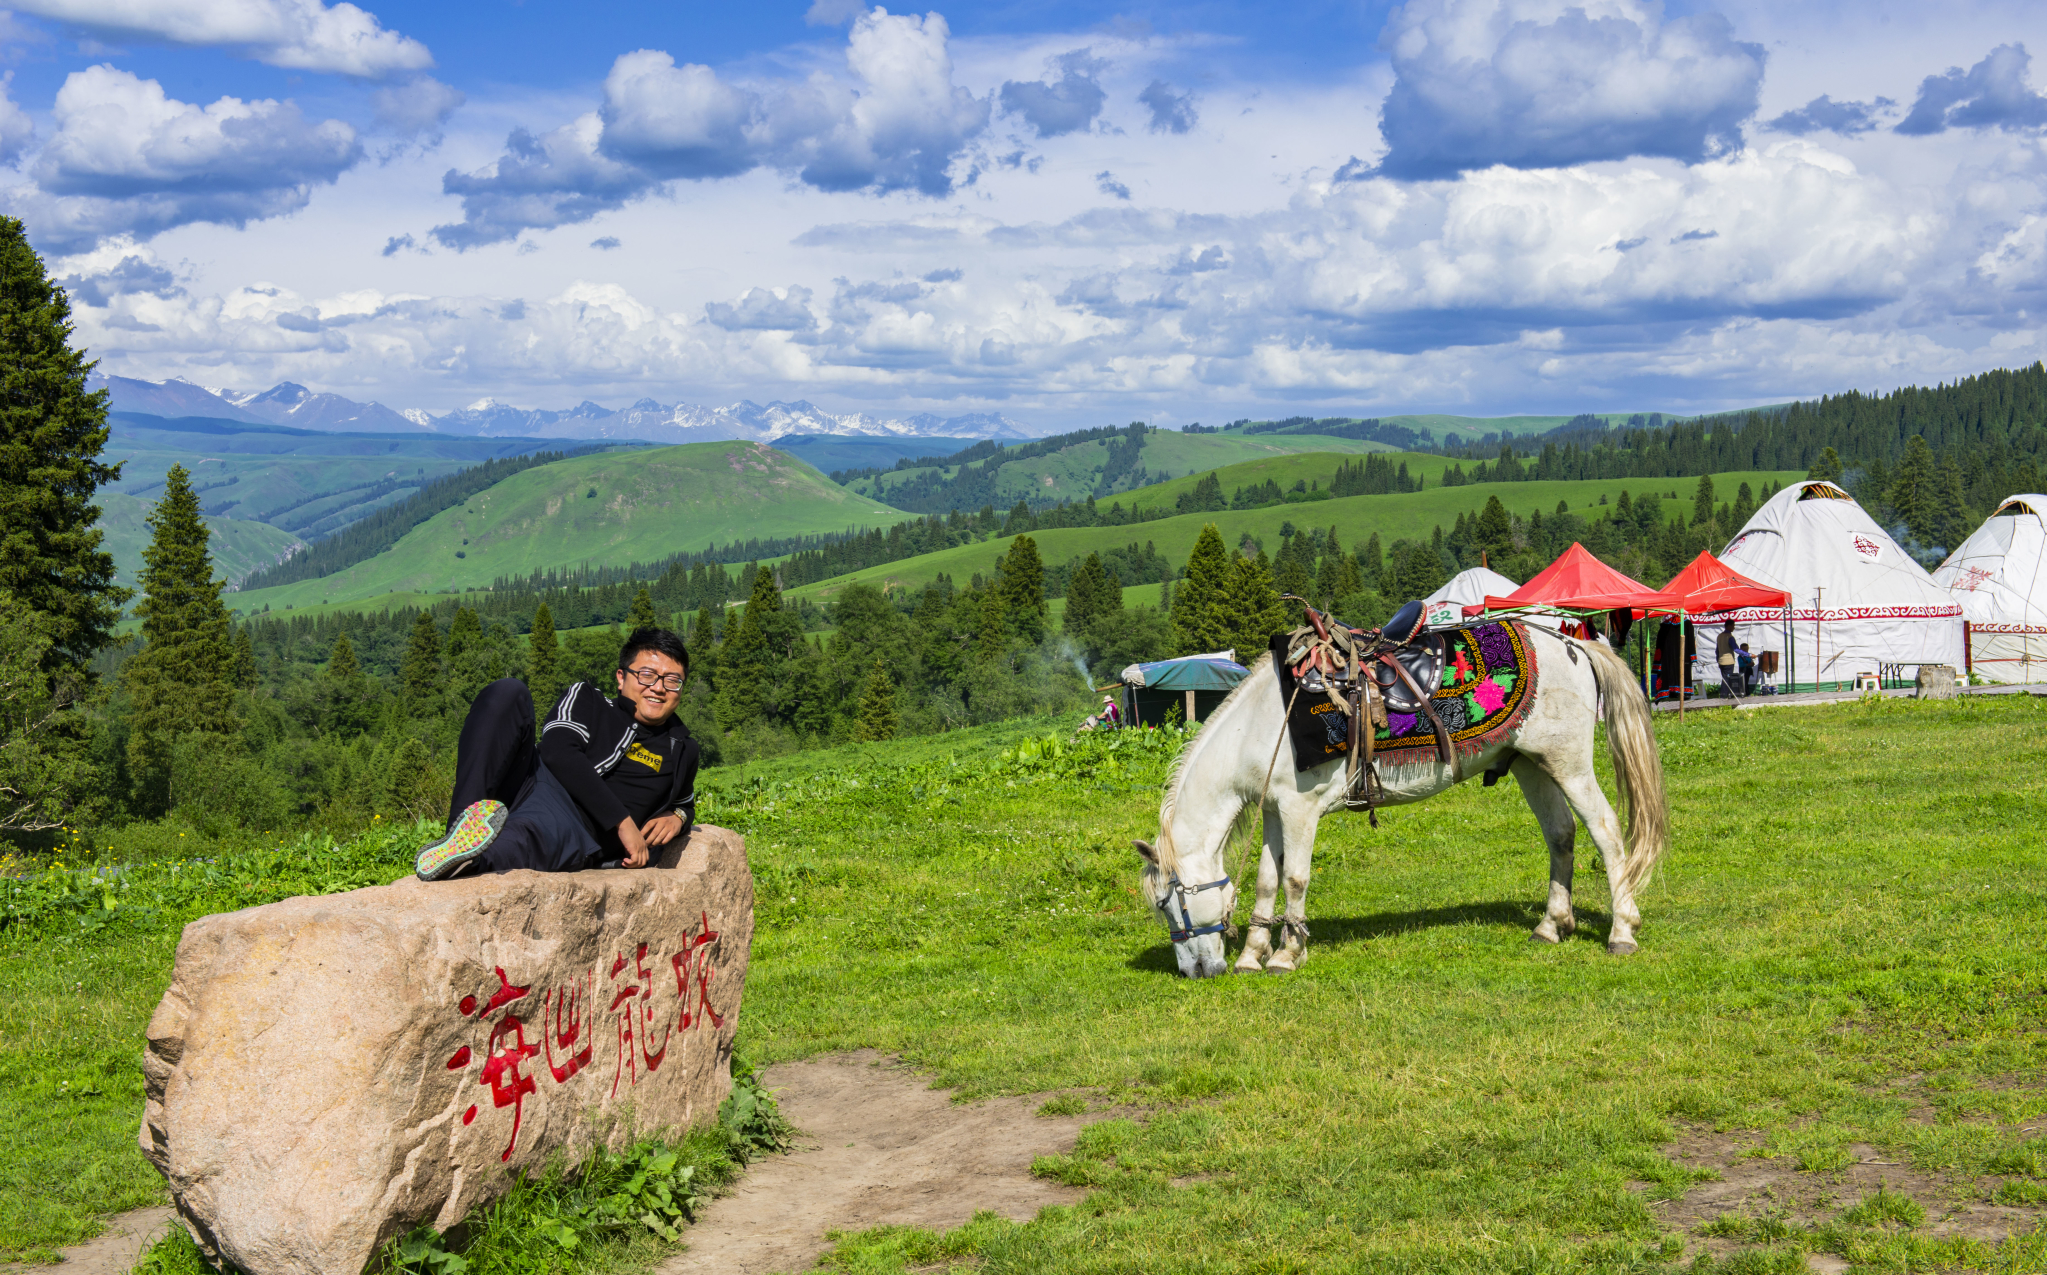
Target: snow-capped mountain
(647,420)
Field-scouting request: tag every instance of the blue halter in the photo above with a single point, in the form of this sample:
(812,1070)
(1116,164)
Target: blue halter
(1179,931)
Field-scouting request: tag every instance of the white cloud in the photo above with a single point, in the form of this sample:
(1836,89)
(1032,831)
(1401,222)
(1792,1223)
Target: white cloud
(1994,93)
(302,35)
(1547,83)
(902,125)
(417,106)
(1171,112)
(128,159)
(1065,105)
(17,130)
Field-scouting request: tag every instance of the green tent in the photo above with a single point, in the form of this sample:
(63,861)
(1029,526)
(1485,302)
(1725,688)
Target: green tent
(1195,684)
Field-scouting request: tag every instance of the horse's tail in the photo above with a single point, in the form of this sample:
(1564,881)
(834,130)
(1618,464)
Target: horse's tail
(1637,766)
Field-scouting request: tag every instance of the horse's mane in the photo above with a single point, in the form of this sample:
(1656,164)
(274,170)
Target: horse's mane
(1169,855)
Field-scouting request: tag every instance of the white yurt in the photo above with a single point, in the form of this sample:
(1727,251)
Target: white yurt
(1859,603)
(1469,588)
(1999,576)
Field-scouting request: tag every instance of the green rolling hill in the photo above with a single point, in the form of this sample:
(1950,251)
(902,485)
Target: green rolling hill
(1392,517)
(647,504)
(238,545)
(1075,472)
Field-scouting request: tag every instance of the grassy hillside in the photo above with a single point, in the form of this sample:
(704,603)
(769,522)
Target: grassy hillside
(614,508)
(304,481)
(239,546)
(827,452)
(1073,473)
(1355,517)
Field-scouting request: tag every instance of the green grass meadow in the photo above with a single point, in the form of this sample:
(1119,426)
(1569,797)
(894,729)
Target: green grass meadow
(1843,948)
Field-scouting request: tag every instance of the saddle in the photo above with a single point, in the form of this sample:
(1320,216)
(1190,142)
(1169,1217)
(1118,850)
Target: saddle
(1365,673)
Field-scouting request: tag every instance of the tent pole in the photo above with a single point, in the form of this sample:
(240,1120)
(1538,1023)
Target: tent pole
(1684,667)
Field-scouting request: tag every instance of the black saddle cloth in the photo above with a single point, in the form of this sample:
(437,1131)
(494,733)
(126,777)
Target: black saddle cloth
(1423,659)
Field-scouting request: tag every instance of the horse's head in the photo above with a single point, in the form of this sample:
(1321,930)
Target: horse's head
(1196,909)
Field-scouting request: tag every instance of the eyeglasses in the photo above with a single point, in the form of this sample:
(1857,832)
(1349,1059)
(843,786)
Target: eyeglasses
(652,677)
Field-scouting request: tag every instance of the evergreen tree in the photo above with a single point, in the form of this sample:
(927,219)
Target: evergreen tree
(1023,589)
(746,659)
(992,632)
(1201,601)
(1372,564)
(704,633)
(242,667)
(420,669)
(1947,517)
(1495,530)
(1913,488)
(1421,573)
(51,436)
(465,633)
(1292,577)
(181,682)
(1744,508)
(341,662)
(1255,606)
(344,697)
(466,657)
(44,774)
(877,706)
(543,660)
(1828,466)
(642,616)
(1702,501)
(1090,595)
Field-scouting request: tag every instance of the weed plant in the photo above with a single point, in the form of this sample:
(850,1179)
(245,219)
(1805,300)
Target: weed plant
(1842,948)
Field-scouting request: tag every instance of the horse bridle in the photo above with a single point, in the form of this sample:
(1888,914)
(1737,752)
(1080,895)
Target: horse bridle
(1179,931)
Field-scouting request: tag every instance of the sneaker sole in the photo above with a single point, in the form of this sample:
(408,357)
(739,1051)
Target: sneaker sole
(472,834)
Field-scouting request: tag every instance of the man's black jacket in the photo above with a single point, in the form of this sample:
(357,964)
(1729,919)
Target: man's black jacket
(584,738)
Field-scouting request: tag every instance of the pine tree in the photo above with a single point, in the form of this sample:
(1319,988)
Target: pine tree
(745,660)
(1023,589)
(51,435)
(465,633)
(1090,595)
(1255,606)
(420,668)
(1495,530)
(242,667)
(1913,487)
(1744,508)
(1372,564)
(1828,466)
(991,634)
(1702,501)
(1201,619)
(1948,516)
(1292,577)
(642,616)
(181,682)
(341,664)
(877,706)
(543,659)
(704,633)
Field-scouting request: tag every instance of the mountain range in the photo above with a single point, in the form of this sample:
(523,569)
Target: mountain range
(287,403)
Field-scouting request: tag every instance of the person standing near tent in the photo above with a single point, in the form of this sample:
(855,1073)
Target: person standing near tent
(1746,664)
(1730,675)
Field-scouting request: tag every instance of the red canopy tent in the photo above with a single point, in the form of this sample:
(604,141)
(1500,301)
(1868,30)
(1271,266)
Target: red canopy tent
(1708,586)
(1576,581)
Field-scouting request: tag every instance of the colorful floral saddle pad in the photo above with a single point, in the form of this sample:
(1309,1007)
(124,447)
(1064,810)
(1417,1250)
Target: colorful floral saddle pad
(1487,682)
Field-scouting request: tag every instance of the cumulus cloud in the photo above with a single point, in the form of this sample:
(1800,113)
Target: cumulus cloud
(128,159)
(117,268)
(1105,181)
(901,125)
(1824,114)
(17,130)
(418,106)
(1170,112)
(301,35)
(1549,83)
(764,310)
(1991,94)
(1066,105)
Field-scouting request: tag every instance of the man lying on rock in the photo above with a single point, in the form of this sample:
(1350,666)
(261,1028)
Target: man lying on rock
(612,778)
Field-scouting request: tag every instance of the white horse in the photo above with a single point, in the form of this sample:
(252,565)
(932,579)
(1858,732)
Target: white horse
(1223,771)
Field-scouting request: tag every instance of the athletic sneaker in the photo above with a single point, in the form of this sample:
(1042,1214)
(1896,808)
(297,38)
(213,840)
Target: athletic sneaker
(469,836)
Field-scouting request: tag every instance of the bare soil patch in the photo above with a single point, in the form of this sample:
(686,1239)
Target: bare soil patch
(1754,1187)
(113,1251)
(877,1146)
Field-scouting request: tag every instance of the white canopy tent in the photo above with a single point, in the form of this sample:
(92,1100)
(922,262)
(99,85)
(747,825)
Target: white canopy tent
(1858,602)
(1999,576)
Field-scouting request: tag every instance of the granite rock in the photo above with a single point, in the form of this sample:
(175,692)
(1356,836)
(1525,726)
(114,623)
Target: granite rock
(324,1073)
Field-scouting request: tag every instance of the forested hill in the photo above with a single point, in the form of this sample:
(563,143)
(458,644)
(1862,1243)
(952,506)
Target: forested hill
(1988,425)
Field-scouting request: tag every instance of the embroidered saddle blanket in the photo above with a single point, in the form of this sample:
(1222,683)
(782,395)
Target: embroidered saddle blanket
(1487,681)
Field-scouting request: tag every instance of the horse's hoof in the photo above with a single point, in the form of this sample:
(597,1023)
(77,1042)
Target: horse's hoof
(1621,948)
(1246,967)
(1537,936)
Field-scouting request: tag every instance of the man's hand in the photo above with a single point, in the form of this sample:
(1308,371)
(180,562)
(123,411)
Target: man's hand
(662,830)
(636,853)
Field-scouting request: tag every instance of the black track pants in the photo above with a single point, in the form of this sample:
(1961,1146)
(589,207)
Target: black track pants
(495,758)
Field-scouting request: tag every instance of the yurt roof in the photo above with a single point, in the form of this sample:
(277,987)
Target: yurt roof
(1814,540)
(1470,587)
(1999,574)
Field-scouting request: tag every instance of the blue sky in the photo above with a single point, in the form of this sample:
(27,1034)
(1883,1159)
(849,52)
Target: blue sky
(1188,212)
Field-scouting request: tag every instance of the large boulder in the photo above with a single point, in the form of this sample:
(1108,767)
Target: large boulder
(326,1072)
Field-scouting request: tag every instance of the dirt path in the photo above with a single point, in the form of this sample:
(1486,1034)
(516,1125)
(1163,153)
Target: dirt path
(115,1250)
(878,1146)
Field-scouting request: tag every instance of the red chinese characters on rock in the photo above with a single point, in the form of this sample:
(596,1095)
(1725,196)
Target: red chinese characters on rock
(567,1024)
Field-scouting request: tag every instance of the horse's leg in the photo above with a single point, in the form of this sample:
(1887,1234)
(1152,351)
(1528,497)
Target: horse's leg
(1258,938)
(1560,833)
(1581,788)
(1295,831)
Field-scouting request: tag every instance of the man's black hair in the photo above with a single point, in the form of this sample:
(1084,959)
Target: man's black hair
(660,641)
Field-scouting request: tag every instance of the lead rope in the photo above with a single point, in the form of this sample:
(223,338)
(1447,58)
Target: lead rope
(1285,719)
